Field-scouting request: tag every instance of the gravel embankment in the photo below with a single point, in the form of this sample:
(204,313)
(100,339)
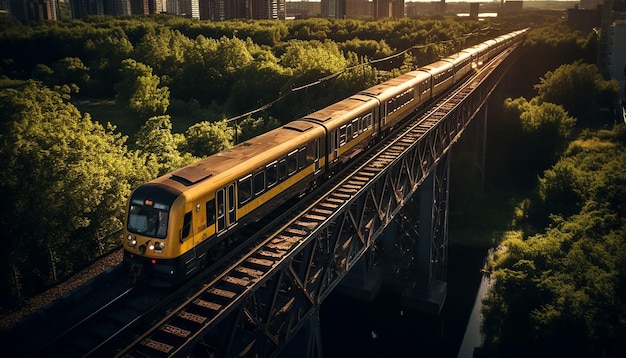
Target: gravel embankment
(38,302)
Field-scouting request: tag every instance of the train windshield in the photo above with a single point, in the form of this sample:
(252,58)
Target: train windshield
(147,218)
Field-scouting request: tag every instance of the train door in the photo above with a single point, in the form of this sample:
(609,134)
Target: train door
(226,206)
(383,114)
(334,145)
(316,160)
(220,195)
(231,205)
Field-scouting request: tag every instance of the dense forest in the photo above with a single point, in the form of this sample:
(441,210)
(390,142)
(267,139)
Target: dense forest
(90,109)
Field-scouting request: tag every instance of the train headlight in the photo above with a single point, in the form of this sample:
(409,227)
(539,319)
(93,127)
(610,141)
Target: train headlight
(132,241)
(161,245)
(151,247)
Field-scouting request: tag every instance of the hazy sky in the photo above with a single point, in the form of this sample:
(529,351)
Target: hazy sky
(450,0)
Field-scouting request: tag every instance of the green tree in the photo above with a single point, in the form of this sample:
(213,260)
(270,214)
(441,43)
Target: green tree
(64,178)
(156,141)
(251,127)
(545,118)
(165,50)
(71,70)
(579,87)
(263,83)
(139,89)
(558,292)
(545,128)
(313,57)
(206,138)
(104,53)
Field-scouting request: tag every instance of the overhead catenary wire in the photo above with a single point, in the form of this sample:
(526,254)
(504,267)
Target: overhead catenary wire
(336,74)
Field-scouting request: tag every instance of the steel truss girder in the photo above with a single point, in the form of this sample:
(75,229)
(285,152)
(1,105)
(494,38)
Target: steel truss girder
(273,311)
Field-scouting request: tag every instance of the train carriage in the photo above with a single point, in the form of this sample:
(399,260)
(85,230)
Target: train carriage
(462,64)
(176,220)
(479,53)
(442,74)
(350,125)
(398,97)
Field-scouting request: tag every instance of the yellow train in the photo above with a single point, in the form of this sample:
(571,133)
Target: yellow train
(177,222)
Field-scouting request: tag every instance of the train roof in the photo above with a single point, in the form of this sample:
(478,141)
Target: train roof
(401,81)
(247,156)
(350,107)
(437,67)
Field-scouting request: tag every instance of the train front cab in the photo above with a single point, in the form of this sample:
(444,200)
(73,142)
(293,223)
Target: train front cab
(152,222)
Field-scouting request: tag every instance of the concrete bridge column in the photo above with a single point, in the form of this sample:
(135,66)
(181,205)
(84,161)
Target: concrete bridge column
(428,293)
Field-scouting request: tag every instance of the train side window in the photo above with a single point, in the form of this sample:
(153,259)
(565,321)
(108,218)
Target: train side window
(210,212)
(302,162)
(342,136)
(349,132)
(292,162)
(186,226)
(282,169)
(244,189)
(356,128)
(259,182)
(368,121)
(272,174)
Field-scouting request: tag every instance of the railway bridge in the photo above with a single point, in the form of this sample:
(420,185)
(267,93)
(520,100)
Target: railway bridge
(385,219)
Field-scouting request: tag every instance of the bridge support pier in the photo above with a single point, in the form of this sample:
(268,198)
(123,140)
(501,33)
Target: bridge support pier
(423,221)
(410,257)
(428,291)
(364,280)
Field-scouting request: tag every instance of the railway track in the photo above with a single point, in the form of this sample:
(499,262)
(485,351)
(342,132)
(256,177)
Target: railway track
(219,297)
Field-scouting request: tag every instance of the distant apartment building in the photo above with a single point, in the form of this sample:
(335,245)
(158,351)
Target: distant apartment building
(83,8)
(219,10)
(589,4)
(511,7)
(355,9)
(420,8)
(34,10)
(388,8)
(334,8)
(362,8)
(196,9)
(611,49)
(584,19)
(303,9)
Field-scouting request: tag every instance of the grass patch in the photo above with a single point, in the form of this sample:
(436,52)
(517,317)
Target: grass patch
(128,123)
(107,111)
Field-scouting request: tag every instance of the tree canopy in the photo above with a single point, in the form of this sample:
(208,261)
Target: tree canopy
(64,178)
(558,291)
(579,88)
